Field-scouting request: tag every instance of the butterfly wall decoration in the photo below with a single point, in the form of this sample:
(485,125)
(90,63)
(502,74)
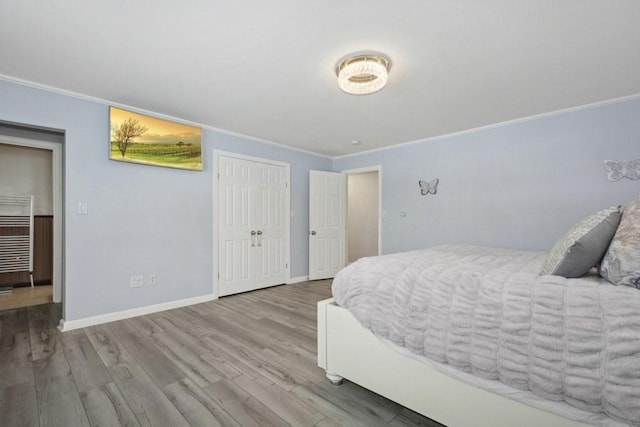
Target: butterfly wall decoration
(430,187)
(618,170)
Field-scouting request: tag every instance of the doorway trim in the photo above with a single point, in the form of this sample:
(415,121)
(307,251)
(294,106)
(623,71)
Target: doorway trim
(216,215)
(375,168)
(57,196)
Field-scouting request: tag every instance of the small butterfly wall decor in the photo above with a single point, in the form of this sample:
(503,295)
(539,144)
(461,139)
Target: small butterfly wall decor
(430,187)
(617,170)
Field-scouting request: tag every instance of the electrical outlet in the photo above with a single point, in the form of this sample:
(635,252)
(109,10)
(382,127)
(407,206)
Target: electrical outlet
(153,279)
(136,281)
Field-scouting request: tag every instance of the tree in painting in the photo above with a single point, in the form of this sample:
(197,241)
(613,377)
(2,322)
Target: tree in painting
(123,133)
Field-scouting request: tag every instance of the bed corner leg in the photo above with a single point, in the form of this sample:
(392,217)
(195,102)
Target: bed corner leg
(334,379)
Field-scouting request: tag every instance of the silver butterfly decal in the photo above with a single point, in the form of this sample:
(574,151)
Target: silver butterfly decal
(617,170)
(430,187)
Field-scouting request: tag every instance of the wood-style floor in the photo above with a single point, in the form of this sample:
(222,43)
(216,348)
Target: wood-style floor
(26,297)
(244,360)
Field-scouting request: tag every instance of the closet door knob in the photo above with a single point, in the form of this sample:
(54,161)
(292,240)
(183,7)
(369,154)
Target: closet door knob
(313,233)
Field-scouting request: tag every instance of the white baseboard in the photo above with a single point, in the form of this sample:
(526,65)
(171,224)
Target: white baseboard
(134,312)
(297,279)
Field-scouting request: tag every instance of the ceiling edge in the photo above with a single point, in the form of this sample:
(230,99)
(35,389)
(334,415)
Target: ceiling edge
(106,102)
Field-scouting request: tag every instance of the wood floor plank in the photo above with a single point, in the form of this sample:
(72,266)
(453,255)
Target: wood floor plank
(268,368)
(408,418)
(150,406)
(109,348)
(360,402)
(13,322)
(59,403)
(18,406)
(187,359)
(241,405)
(225,363)
(300,369)
(107,407)
(185,319)
(86,367)
(146,353)
(26,296)
(226,390)
(15,361)
(196,406)
(253,413)
(328,422)
(183,337)
(146,325)
(42,331)
(286,405)
(239,330)
(341,414)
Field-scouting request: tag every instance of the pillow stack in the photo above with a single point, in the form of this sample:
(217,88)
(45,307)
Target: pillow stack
(582,247)
(621,263)
(610,238)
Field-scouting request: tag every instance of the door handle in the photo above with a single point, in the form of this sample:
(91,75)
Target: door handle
(253,237)
(259,237)
(313,233)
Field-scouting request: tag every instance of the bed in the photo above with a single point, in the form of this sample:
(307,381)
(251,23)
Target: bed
(489,341)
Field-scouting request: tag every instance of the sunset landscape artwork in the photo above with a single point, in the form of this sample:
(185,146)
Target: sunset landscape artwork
(137,138)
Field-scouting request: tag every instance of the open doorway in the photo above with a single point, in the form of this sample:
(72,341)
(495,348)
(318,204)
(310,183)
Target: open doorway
(363,213)
(34,167)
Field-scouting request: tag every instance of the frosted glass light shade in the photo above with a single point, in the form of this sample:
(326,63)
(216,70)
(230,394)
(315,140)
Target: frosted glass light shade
(363,74)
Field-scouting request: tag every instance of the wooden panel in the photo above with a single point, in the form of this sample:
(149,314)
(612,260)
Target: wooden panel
(42,254)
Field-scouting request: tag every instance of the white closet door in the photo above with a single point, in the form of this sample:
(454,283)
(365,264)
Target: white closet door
(235,200)
(327,224)
(253,225)
(269,222)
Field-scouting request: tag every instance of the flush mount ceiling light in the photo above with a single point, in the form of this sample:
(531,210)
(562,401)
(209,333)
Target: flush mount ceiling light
(363,74)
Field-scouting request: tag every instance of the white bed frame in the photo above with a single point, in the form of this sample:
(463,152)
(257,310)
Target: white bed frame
(348,350)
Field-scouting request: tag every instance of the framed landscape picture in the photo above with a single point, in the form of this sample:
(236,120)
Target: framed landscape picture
(137,138)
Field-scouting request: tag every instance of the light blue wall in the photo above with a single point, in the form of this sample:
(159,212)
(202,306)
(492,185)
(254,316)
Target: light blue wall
(519,185)
(141,219)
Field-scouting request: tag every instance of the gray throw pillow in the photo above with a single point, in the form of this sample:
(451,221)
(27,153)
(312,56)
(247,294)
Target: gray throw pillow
(582,247)
(621,263)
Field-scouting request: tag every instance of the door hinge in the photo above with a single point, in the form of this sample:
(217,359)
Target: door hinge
(218,275)
(286,265)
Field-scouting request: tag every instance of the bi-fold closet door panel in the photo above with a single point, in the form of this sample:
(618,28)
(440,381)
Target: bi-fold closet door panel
(252,198)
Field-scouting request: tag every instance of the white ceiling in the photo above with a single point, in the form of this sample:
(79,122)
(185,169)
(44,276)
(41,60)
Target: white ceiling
(265,69)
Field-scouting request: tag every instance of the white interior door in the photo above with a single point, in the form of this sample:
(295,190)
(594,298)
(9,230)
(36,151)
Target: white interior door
(327,218)
(253,225)
(269,224)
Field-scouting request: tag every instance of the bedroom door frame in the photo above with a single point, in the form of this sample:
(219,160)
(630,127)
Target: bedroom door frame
(57,280)
(327,238)
(216,213)
(358,171)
